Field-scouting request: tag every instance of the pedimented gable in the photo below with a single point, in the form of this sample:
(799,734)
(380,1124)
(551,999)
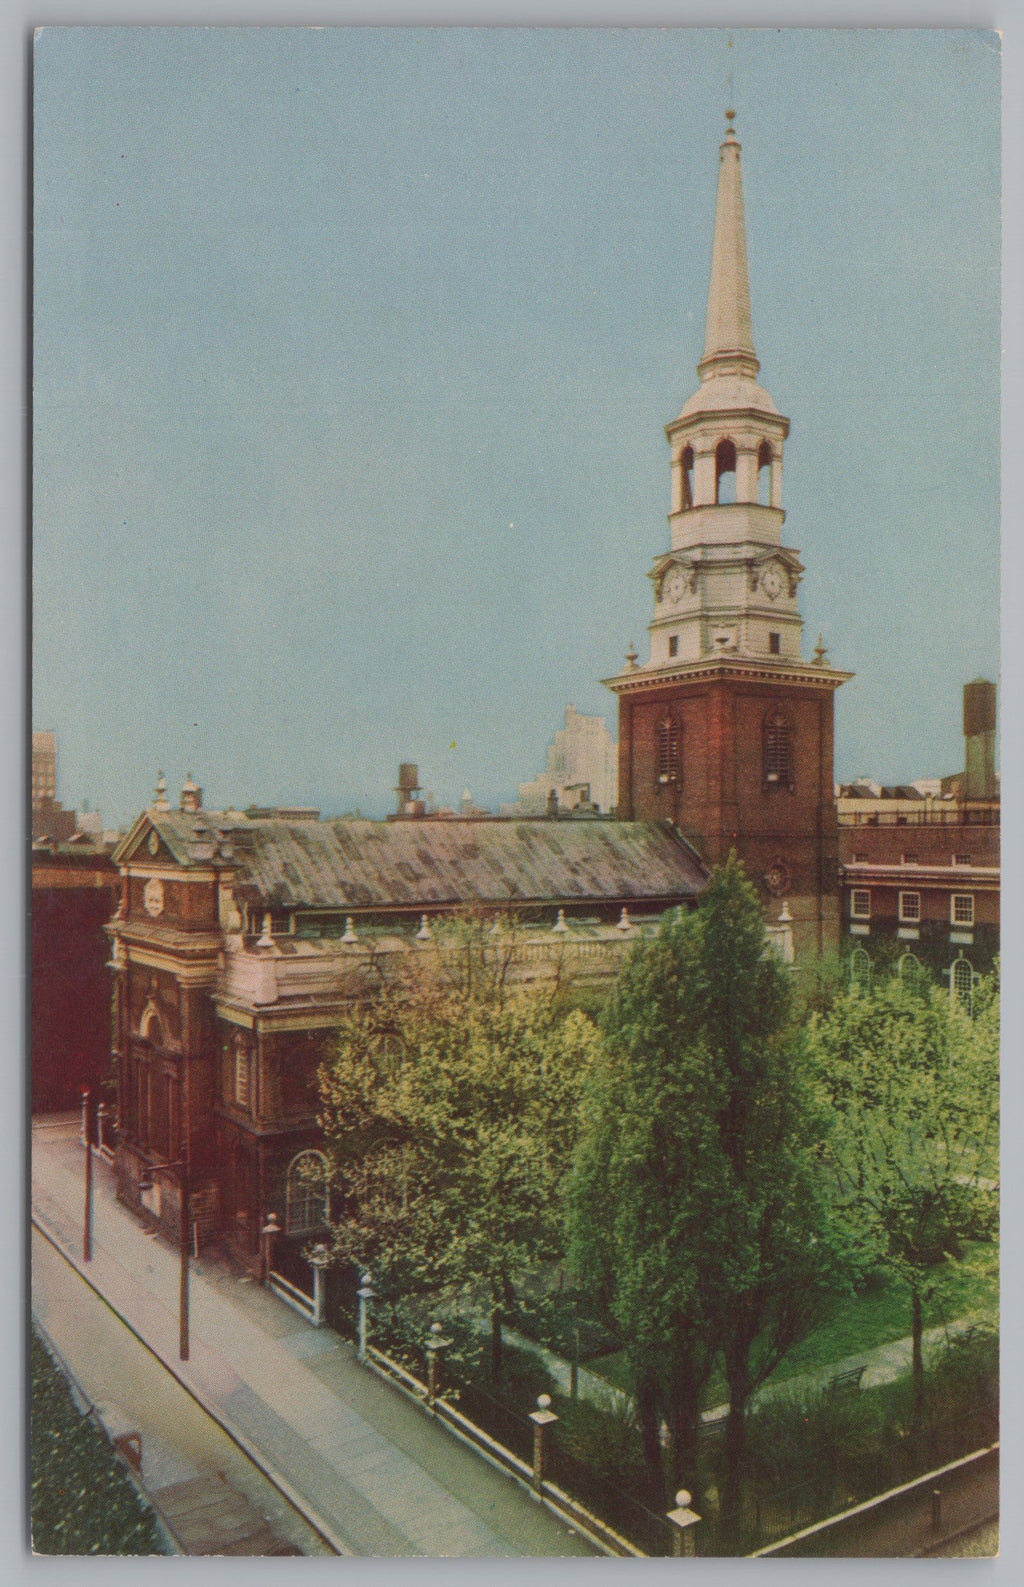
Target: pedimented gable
(146,845)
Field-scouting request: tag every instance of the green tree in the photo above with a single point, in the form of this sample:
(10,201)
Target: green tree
(697,1203)
(449,1110)
(913,1077)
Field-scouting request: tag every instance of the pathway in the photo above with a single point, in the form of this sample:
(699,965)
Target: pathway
(883,1364)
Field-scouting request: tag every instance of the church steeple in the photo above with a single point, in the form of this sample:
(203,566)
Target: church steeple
(725,730)
(729,339)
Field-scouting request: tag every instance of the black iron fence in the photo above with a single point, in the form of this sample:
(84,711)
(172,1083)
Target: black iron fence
(854,1456)
(771,1513)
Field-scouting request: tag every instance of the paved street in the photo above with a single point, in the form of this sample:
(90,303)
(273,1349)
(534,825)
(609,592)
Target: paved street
(378,1474)
(181,1445)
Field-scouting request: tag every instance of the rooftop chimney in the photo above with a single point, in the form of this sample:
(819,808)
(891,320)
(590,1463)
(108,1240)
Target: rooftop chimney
(979,739)
(191,797)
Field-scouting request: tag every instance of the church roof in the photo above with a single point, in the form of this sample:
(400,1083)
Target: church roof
(445,864)
(427,864)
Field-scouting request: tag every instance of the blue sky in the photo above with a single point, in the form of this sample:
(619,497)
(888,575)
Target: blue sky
(353,352)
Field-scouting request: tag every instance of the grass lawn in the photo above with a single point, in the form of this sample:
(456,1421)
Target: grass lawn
(82,1500)
(861,1322)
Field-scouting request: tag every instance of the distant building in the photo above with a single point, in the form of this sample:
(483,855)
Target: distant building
(920,861)
(582,769)
(75,887)
(44,768)
(49,818)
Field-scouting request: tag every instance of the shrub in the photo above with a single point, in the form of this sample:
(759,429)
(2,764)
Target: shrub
(82,1500)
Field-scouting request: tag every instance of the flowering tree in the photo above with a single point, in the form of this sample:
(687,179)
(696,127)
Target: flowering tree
(449,1111)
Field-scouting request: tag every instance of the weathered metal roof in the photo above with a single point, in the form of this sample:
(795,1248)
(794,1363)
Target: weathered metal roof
(384,865)
(443,864)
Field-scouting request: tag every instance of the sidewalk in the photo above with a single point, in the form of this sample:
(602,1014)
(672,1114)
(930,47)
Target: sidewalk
(373,1467)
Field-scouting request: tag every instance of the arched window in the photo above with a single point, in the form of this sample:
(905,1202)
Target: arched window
(778,752)
(686,466)
(860,969)
(725,473)
(670,750)
(306,1193)
(764,474)
(961,983)
(912,972)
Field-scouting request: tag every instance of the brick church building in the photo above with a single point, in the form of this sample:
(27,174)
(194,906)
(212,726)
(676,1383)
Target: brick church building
(726,730)
(240,937)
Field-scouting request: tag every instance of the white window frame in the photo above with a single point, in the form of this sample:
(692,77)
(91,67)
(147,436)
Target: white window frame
(307,1203)
(906,918)
(857,912)
(961,983)
(966,899)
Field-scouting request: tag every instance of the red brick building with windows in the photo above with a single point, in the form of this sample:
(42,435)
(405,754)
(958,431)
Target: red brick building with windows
(920,862)
(726,730)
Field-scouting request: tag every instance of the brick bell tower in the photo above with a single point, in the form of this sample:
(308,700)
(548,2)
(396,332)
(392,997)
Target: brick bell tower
(726,730)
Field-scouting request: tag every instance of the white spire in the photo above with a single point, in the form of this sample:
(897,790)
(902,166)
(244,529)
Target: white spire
(729,339)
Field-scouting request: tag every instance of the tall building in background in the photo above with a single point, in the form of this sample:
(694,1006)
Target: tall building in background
(44,768)
(49,818)
(582,769)
(726,730)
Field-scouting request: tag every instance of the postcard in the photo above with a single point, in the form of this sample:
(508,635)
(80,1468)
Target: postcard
(515,855)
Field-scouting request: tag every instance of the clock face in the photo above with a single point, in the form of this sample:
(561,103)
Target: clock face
(675,585)
(777,880)
(771,581)
(153,896)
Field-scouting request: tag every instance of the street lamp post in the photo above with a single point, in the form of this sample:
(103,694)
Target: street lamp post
(87,1140)
(184,1235)
(365,1294)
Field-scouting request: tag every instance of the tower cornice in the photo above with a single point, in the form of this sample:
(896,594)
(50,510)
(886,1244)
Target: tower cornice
(802,674)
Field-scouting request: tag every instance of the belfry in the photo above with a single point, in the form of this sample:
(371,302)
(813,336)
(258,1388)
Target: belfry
(726,730)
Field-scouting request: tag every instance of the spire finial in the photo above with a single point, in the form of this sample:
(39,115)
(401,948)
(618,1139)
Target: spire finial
(730,117)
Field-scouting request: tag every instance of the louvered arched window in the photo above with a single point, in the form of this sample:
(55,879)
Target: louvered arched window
(686,467)
(778,752)
(670,750)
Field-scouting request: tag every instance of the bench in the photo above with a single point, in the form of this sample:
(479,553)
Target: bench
(711,1428)
(845,1383)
